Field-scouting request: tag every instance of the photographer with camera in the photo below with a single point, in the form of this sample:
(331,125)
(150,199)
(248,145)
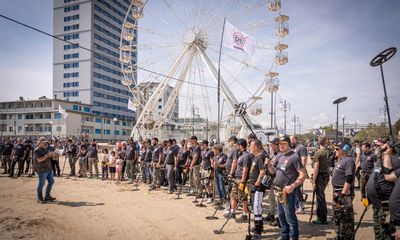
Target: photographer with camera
(380,185)
(343,192)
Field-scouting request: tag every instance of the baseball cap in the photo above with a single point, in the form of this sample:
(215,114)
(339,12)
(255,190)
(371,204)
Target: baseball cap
(242,142)
(284,139)
(275,141)
(343,146)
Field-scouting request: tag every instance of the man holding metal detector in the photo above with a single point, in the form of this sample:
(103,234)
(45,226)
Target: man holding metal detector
(239,174)
(233,155)
(257,172)
(343,192)
(380,185)
(290,174)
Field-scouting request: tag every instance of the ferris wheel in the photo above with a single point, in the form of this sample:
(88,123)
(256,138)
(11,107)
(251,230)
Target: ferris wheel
(175,76)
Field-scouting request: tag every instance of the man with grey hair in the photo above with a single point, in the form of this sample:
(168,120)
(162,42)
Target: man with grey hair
(320,179)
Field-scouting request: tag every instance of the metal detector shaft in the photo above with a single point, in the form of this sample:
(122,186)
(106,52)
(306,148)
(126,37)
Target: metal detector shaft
(359,222)
(230,215)
(312,206)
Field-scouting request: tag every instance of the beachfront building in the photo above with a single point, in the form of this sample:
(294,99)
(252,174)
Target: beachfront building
(42,118)
(90,77)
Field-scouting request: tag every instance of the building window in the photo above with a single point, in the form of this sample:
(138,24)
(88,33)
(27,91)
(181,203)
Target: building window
(117,132)
(19,116)
(71,65)
(71,36)
(71,27)
(72,55)
(71,84)
(58,129)
(57,115)
(108,132)
(97,131)
(71,8)
(97,120)
(71,18)
(71,94)
(86,109)
(71,46)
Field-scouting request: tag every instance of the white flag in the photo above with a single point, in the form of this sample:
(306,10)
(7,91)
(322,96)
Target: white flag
(62,111)
(239,40)
(131,106)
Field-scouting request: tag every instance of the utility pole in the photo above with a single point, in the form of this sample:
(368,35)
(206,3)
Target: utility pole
(343,129)
(295,120)
(286,106)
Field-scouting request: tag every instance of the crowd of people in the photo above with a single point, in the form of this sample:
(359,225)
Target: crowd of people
(241,174)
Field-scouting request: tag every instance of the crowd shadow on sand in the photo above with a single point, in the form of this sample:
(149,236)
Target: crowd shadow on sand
(78,204)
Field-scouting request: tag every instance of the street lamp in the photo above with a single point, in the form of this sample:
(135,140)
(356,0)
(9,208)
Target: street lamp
(343,128)
(380,59)
(295,121)
(51,129)
(115,128)
(286,106)
(272,87)
(337,102)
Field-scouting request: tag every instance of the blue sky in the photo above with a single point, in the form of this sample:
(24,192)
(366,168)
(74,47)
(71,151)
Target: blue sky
(330,46)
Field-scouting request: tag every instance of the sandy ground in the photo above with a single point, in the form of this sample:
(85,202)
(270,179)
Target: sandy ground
(95,209)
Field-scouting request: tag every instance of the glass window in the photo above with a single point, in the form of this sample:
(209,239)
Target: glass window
(97,120)
(57,115)
(86,109)
(19,116)
(97,131)
(75,107)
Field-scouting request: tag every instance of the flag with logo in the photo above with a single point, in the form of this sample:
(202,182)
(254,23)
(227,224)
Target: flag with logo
(236,39)
(62,111)
(352,132)
(131,106)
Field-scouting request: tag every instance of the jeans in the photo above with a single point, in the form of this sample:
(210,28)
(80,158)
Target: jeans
(72,161)
(171,176)
(219,182)
(6,163)
(321,182)
(299,201)
(288,218)
(148,172)
(104,172)
(20,161)
(55,165)
(178,175)
(42,180)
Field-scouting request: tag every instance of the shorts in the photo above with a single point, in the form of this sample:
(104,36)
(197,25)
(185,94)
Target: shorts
(113,169)
(206,176)
(236,193)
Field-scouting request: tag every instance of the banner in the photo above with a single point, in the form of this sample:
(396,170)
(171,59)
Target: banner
(62,111)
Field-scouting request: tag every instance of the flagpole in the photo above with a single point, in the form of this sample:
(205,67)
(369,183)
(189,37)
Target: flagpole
(219,84)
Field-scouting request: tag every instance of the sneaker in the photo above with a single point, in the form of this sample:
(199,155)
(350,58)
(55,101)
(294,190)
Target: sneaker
(230,215)
(300,210)
(209,201)
(275,223)
(269,218)
(50,199)
(226,213)
(41,201)
(319,222)
(243,219)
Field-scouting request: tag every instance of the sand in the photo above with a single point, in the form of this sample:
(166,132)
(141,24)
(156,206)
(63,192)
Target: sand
(95,209)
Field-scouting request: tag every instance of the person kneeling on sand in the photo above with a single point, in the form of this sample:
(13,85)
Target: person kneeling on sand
(44,169)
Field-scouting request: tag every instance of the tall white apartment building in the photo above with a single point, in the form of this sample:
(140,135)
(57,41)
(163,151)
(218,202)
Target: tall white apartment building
(90,77)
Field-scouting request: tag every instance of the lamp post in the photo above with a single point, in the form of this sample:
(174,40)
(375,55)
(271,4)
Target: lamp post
(286,106)
(337,102)
(115,128)
(272,87)
(343,128)
(295,120)
(51,129)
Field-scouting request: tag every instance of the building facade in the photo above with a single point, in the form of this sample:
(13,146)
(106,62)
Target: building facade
(91,77)
(33,118)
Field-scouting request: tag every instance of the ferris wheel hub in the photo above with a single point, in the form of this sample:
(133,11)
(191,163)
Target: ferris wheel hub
(189,37)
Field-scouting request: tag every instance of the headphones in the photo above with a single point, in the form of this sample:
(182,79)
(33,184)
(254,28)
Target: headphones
(346,148)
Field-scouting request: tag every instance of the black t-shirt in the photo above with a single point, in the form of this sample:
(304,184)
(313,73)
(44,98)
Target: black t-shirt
(220,159)
(183,155)
(197,151)
(130,152)
(301,150)
(171,153)
(344,168)
(394,203)
(156,154)
(19,150)
(256,167)
(206,157)
(44,166)
(232,155)
(149,153)
(92,150)
(71,150)
(28,148)
(287,167)
(8,147)
(377,180)
(367,162)
(243,161)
